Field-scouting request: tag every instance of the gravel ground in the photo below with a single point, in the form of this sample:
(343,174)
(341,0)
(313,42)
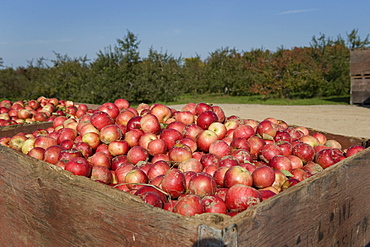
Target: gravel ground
(347,120)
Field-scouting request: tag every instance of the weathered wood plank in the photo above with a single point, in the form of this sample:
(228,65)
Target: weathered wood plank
(329,209)
(26,128)
(42,205)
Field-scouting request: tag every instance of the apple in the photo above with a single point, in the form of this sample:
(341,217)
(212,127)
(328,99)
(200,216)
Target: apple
(263,176)
(255,144)
(134,178)
(100,158)
(122,104)
(118,161)
(110,133)
(280,162)
(40,116)
(320,137)
(268,151)
(16,142)
(51,154)
(66,134)
(205,139)
(286,147)
(185,117)
(240,143)
(219,112)
(202,107)
(45,141)
(100,119)
(219,128)
(179,126)
(219,148)
(304,130)
(244,131)
(91,138)
(179,153)
(229,161)
(192,144)
(124,116)
(202,184)
(191,164)
(84,148)
(24,114)
(206,118)
(79,166)
(309,139)
(189,107)
(170,137)
(86,128)
(134,123)
(242,155)
(28,145)
(150,124)
(333,144)
(156,146)
(231,124)
(132,137)
(109,108)
(136,154)
(352,150)
(162,112)
(119,147)
(328,157)
(266,129)
(304,151)
(192,131)
(101,174)
(282,135)
(37,153)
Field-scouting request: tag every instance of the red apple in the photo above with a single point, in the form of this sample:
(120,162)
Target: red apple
(124,116)
(220,148)
(100,119)
(91,138)
(202,107)
(122,103)
(179,153)
(185,117)
(110,133)
(101,174)
(206,118)
(150,124)
(170,137)
(79,166)
(136,154)
(192,131)
(162,112)
(100,159)
(109,108)
(205,139)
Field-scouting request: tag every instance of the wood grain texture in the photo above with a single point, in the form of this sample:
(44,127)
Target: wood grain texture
(43,205)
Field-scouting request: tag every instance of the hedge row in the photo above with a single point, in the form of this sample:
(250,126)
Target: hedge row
(119,72)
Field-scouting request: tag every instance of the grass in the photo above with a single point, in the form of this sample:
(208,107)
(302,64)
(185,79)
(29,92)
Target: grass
(216,99)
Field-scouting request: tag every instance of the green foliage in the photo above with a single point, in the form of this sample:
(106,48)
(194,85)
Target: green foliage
(320,70)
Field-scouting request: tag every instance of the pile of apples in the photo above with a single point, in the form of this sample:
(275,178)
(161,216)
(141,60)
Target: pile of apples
(192,161)
(38,110)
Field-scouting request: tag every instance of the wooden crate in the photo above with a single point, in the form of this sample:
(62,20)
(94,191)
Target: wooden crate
(11,130)
(43,205)
(360,76)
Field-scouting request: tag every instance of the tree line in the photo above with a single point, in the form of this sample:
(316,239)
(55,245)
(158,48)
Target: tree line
(321,69)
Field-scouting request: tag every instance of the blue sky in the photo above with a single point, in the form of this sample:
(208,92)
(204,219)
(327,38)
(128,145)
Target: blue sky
(37,28)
